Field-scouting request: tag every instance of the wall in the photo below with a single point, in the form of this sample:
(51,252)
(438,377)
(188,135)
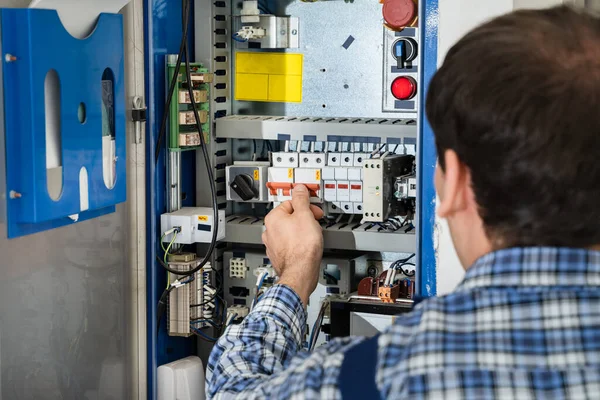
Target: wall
(457,17)
(68,314)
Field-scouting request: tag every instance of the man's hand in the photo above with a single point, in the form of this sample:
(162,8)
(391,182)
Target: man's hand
(294,242)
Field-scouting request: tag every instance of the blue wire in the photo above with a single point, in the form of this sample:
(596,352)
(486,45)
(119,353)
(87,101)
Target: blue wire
(260,283)
(199,333)
(203,320)
(237,39)
(189,280)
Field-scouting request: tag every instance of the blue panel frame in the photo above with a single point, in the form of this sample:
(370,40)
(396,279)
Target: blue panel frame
(163,31)
(426,277)
(162,27)
(40,43)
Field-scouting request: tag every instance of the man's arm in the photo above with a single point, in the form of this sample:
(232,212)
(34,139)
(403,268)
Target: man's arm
(263,356)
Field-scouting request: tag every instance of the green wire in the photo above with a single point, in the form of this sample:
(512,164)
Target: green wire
(162,245)
(169,247)
(167,253)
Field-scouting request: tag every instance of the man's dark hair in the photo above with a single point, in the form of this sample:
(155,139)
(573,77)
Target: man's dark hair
(518,100)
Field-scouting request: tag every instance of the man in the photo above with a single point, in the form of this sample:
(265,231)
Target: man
(516,113)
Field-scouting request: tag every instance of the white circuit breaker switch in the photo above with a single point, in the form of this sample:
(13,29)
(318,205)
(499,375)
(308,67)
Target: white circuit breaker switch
(343,191)
(287,160)
(279,184)
(347,159)
(311,178)
(355,174)
(356,193)
(341,174)
(411,149)
(328,173)
(333,159)
(312,160)
(358,208)
(195,224)
(359,159)
(330,191)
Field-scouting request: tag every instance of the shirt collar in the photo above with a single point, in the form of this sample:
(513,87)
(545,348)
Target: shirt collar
(534,266)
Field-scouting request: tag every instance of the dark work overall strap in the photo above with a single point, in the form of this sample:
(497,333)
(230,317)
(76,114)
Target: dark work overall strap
(357,374)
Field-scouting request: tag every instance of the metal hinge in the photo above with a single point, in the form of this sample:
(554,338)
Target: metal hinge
(138,116)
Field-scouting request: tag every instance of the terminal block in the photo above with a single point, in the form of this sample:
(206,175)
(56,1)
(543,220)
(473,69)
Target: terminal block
(389,294)
(182,300)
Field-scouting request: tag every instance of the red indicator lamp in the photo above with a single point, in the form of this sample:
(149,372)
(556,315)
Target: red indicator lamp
(404,88)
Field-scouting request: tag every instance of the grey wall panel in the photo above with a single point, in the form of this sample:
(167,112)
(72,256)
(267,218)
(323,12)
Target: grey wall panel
(63,297)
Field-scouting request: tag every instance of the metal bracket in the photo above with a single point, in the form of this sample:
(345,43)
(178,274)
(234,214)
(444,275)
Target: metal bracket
(138,116)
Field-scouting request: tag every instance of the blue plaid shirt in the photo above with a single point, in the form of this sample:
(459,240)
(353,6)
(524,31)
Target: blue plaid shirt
(524,323)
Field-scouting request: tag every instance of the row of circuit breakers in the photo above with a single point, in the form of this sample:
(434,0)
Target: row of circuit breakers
(378,186)
(375,186)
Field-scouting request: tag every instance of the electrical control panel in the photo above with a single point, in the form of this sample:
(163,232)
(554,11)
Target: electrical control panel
(336,112)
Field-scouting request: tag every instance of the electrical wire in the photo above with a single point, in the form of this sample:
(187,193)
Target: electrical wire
(377,150)
(316,330)
(230,319)
(398,264)
(237,38)
(405,272)
(217,290)
(258,287)
(202,335)
(169,247)
(173,84)
(213,191)
(198,321)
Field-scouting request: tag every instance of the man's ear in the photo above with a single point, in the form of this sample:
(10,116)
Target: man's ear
(453,185)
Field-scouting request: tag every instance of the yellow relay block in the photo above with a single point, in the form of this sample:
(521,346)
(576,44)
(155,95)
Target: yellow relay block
(270,77)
